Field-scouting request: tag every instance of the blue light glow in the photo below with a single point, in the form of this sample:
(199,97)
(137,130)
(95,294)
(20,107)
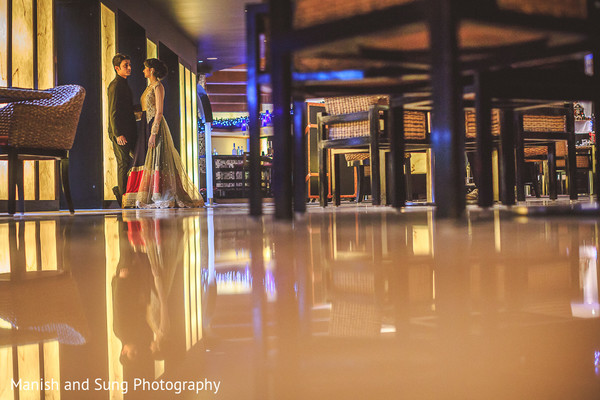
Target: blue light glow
(242,123)
(347,75)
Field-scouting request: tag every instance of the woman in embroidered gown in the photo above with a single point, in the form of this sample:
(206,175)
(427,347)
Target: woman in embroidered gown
(162,182)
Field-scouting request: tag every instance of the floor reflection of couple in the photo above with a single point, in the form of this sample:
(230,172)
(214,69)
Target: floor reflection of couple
(150,171)
(141,287)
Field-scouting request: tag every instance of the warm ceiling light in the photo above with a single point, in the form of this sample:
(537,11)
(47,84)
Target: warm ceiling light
(211,58)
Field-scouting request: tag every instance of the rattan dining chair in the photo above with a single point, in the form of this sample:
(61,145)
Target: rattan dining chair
(38,130)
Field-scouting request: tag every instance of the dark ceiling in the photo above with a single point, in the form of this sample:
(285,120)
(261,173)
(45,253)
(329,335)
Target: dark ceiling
(218,26)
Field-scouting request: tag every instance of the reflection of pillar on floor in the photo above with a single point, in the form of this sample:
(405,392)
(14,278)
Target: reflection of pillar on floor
(286,367)
(303,268)
(209,163)
(259,302)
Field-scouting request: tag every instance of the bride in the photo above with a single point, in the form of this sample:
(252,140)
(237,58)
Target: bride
(158,179)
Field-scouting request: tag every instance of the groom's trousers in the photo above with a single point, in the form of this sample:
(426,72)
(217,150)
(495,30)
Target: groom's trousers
(123,156)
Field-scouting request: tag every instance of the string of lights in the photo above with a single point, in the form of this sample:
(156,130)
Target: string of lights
(266,119)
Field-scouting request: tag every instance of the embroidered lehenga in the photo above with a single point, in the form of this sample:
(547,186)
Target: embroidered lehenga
(161,181)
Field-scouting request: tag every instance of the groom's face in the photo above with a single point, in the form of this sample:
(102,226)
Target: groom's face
(124,70)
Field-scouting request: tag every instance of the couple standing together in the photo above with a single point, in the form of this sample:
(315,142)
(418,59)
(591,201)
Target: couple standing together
(150,172)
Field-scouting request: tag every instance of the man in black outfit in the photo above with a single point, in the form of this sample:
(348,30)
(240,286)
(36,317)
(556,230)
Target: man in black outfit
(122,128)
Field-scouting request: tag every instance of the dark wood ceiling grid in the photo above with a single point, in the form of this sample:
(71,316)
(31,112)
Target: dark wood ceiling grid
(217,26)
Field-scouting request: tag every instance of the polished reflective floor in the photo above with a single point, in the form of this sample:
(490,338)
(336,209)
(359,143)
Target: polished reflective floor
(354,302)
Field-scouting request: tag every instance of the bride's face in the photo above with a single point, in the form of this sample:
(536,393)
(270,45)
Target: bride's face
(147,72)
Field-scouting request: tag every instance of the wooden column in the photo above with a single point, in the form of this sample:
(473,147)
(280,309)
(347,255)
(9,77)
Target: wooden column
(281,78)
(483,155)
(323,185)
(507,160)
(374,156)
(596,110)
(253,99)
(571,151)
(552,181)
(447,136)
(520,156)
(299,156)
(396,132)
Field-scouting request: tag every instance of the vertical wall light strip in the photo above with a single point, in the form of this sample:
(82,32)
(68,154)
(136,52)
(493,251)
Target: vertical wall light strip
(45,71)
(3,180)
(29,179)
(46,180)
(188,123)
(108,50)
(3,42)
(195,159)
(22,44)
(182,124)
(45,44)
(22,67)
(111,242)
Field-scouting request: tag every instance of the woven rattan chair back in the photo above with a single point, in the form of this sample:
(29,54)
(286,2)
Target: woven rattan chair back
(44,124)
(415,122)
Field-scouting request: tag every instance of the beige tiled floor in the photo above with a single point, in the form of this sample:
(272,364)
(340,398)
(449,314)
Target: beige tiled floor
(354,302)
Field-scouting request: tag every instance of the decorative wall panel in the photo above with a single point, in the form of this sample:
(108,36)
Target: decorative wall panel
(3,180)
(29,179)
(47,180)
(3,43)
(45,44)
(151,49)
(108,50)
(182,125)
(22,43)
(188,125)
(195,155)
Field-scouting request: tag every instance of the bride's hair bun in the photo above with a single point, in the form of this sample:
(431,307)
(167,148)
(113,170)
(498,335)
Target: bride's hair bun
(160,68)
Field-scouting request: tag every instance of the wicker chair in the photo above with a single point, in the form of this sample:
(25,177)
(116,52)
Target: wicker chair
(353,123)
(547,134)
(37,130)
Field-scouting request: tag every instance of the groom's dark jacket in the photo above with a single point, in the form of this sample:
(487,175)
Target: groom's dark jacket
(121,117)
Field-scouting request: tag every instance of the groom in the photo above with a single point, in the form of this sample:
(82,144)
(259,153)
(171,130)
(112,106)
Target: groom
(122,129)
